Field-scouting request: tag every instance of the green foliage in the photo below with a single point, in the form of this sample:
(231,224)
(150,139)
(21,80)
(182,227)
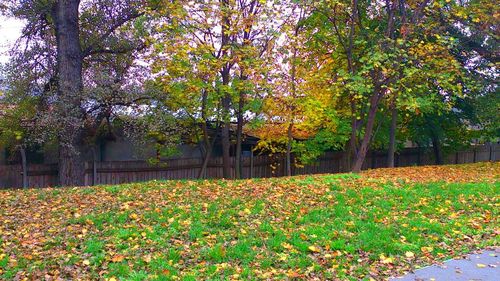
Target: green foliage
(16,123)
(324,140)
(309,67)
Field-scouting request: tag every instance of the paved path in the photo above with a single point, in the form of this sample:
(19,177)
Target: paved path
(484,266)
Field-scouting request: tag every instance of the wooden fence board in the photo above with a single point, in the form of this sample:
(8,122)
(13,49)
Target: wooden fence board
(263,166)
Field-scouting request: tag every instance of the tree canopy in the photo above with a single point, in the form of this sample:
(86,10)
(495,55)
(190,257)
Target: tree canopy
(305,76)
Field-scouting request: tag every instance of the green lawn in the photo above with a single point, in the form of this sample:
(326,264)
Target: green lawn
(373,225)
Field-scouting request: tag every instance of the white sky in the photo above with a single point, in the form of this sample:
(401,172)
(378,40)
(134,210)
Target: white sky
(10,30)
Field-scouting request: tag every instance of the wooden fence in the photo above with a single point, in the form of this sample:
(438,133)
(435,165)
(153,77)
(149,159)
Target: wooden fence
(252,167)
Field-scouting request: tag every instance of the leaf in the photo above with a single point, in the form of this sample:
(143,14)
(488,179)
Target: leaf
(386,260)
(314,249)
(86,262)
(427,249)
(480,265)
(147,258)
(286,246)
(409,255)
(293,274)
(117,258)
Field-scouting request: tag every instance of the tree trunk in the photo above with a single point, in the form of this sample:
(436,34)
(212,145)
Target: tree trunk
(25,167)
(206,159)
(226,145)
(392,137)
(289,150)
(352,149)
(361,155)
(226,99)
(436,146)
(239,137)
(225,135)
(206,138)
(239,134)
(71,166)
(68,107)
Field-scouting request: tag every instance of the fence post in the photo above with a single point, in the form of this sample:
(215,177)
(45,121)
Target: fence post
(25,167)
(419,160)
(474,156)
(251,163)
(283,163)
(491,152)
(94,173)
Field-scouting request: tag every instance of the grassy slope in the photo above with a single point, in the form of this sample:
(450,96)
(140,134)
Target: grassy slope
(376,224)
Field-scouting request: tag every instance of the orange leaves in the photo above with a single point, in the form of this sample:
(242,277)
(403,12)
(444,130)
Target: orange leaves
(458,173)
(287,246)
(117,258)
(147,258)
(268,225)
(293,274)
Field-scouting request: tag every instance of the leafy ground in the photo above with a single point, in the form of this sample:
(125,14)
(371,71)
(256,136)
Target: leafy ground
(372,225)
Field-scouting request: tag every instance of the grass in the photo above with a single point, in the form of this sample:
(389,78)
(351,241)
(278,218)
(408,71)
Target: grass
(370,226)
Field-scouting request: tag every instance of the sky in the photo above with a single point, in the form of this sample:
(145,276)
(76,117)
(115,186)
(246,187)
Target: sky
(10,30)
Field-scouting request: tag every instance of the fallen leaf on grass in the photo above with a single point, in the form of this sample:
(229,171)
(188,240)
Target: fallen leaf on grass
(117,258)
(314,249)
(410,255)
(386,260)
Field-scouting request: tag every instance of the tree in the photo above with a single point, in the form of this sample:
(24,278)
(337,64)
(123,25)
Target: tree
(62,39)
(15,129)
(299,115)
(382,47)
(211,51)
(473,25)
(283,104)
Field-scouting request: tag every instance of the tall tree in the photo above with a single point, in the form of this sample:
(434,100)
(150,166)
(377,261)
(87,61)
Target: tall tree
(375,39)
(69,86)
(300,114)
(63,38)
(221,43)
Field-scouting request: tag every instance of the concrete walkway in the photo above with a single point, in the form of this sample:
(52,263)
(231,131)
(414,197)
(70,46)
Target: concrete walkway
(484,266)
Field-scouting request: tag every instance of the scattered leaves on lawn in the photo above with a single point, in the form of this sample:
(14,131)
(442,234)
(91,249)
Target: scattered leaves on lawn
(373,225)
